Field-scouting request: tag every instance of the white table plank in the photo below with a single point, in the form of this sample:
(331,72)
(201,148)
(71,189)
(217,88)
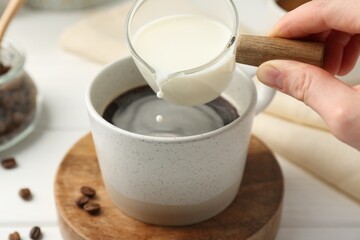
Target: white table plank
(38,158)
(49,232)
(62,88)
(310,203)
(318,233)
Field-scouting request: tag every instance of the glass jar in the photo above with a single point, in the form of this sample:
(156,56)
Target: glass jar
(64,4)
(19,101)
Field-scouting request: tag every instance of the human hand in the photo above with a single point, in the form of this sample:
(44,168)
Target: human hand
(336,23)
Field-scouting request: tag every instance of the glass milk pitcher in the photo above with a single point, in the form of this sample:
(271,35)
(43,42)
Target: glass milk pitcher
(185,49)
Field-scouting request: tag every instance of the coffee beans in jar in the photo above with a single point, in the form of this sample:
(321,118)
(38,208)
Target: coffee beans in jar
(18,97)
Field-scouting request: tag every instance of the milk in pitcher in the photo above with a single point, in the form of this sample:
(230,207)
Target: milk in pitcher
(189,55)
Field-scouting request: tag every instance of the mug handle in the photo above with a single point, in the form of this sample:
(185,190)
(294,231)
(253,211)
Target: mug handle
(265,94)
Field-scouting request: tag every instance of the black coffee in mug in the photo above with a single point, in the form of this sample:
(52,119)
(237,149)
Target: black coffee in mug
(137,110)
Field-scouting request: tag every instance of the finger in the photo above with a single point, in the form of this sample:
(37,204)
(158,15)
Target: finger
(318,16)
(314,86)
(357,87)
(335,45)
(321,37)
(342,50)
(351,55)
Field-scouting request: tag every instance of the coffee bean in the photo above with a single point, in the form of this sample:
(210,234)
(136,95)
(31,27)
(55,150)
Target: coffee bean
(18,117)
(81,201)
(35,233)
(14,236)
(4,69)
(9,163)
(25,193)
(92,208)
(88,191)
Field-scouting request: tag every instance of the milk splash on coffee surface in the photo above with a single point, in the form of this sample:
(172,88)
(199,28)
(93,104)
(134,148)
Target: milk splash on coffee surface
(140,111)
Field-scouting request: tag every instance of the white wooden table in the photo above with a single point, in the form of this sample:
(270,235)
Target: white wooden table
(312,209)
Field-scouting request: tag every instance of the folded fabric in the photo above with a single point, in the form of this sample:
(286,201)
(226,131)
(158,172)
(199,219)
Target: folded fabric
(99,37)
(315,150)
(289,108)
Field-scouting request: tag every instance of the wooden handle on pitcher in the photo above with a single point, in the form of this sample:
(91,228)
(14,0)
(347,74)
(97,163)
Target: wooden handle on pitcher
(254,50)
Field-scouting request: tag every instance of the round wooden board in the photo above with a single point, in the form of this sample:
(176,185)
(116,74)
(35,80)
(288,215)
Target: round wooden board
(254,214)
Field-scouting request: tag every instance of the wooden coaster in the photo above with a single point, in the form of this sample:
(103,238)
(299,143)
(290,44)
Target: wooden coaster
(254,214)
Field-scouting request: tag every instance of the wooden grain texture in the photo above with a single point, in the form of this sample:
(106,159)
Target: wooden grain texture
(10,11)
(255,50)
(289,5)
(254,214)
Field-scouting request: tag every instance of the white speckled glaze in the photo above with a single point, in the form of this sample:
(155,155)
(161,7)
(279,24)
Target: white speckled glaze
(169,171)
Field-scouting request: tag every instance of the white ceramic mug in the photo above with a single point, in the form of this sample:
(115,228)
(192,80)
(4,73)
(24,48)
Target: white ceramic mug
(170,180)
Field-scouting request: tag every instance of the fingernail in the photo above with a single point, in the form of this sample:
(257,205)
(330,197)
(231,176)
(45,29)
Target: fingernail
(270,75)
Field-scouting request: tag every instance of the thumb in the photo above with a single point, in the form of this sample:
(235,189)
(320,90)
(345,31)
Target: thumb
(318,89)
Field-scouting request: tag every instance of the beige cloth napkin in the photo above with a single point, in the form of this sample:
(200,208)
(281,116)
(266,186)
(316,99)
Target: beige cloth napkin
(313,149)
(296,132)
(100,36)
(293,110)
(288,127)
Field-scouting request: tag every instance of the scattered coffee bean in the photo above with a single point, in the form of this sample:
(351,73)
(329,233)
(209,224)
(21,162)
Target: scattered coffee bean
(92,208)
(88,191)
(14,236)
(81,201)
(9,163)
(25,193)
(35,233)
